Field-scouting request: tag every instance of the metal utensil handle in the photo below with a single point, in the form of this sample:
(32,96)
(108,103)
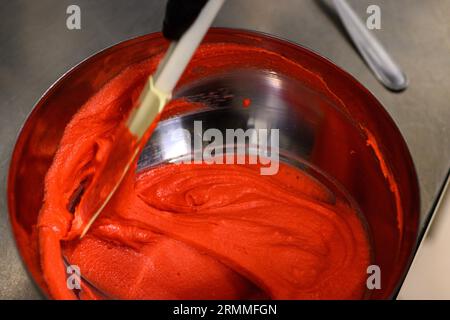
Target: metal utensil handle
(380,62)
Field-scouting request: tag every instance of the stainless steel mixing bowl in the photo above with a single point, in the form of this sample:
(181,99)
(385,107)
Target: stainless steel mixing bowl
(334,125)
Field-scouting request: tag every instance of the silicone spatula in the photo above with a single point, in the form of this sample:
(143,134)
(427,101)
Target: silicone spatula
(156,93)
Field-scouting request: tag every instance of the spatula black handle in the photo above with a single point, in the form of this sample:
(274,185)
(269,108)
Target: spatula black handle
(180,14)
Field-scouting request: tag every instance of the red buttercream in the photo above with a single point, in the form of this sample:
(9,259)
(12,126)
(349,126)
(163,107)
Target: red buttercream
(189,231)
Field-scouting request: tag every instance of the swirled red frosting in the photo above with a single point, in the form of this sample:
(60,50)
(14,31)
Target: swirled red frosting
(194,231)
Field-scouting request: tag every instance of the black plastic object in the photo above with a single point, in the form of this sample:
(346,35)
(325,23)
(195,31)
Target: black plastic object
(180,14)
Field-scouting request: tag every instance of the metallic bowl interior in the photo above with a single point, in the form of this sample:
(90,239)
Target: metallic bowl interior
(314,129)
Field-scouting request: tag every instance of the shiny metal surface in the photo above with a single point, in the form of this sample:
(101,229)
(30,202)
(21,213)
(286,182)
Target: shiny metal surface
(386,70)
(37,48)
(271,108)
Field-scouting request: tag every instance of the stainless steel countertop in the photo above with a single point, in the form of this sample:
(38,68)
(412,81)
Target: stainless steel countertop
(36,48)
